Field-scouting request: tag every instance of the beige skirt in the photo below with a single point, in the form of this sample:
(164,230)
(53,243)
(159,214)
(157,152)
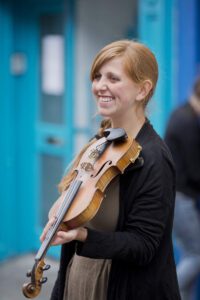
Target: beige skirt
(87,278)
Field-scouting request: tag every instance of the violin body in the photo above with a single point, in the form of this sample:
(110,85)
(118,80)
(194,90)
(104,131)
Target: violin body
(99,165)
(96,177)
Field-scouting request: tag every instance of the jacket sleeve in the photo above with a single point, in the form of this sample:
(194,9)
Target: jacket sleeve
(145,224)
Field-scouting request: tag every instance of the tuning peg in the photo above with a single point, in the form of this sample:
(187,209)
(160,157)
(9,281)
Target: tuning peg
(28,274)
(43,280)
(46,267)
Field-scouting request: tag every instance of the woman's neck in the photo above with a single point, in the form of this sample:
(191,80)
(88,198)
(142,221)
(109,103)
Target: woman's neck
(131,126)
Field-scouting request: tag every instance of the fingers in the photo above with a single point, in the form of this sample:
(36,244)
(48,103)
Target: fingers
(63,237)
(46,228)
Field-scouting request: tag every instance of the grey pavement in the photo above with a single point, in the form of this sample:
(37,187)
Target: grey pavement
(13,276)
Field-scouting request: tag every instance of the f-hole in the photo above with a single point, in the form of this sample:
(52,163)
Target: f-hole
(109,162)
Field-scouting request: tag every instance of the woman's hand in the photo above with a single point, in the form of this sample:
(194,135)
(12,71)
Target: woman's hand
(62,237)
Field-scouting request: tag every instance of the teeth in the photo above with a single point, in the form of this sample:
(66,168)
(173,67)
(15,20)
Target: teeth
(105,99)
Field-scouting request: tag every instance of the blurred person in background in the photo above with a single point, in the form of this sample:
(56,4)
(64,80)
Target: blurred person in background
(183,138)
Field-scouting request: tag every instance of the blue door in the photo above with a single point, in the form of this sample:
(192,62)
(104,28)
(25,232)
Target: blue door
(44,104)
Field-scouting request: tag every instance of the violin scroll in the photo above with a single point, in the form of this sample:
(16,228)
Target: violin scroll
(32,289)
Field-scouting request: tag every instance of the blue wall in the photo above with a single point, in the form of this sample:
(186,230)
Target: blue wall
(156,30)
(188,46)
(9,214)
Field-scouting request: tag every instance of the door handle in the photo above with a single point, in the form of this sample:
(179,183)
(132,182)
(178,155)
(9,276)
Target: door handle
(53,140)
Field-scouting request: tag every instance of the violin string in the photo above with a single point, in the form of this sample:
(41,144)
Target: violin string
(72,189)
(48,238)
(65,204)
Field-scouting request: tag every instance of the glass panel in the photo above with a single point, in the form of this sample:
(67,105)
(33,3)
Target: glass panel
(51,172)
(52,69)
(52,65)
(52,109)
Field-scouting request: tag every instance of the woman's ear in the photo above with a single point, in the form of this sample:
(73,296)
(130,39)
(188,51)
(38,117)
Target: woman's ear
(144,90)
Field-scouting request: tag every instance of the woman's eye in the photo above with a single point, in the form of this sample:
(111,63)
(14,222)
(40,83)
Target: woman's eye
(97,76)
(114,79)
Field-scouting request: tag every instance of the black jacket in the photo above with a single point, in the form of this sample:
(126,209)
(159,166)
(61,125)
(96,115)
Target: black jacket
(183,138)
(141,249)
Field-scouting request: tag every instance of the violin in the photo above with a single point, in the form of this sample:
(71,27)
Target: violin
(102,161)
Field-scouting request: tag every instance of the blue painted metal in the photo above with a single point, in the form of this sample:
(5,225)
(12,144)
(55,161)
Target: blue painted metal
(187,47)
(197,39)
(24,140)
(26,91)
(69,78)
(51,139)
(198,74)
(44,130)
(155,30)
(9,218)
(63,133)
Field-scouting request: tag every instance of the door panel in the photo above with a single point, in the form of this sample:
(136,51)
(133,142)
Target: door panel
(50,164)
(50,110)
(52,145)
(44,112)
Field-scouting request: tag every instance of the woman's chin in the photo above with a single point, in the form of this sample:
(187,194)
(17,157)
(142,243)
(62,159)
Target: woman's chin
(105,113)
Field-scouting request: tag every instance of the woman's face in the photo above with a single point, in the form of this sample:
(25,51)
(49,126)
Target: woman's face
(116,94)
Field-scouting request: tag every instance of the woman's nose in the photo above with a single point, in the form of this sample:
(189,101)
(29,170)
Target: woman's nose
(102,84)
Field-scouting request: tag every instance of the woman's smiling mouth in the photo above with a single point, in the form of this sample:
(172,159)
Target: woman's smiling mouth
(105,99)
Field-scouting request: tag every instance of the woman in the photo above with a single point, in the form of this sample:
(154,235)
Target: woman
(126,251)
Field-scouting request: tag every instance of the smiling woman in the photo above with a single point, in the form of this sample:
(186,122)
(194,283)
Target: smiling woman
(132,256)
(123,80)
(118,96)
